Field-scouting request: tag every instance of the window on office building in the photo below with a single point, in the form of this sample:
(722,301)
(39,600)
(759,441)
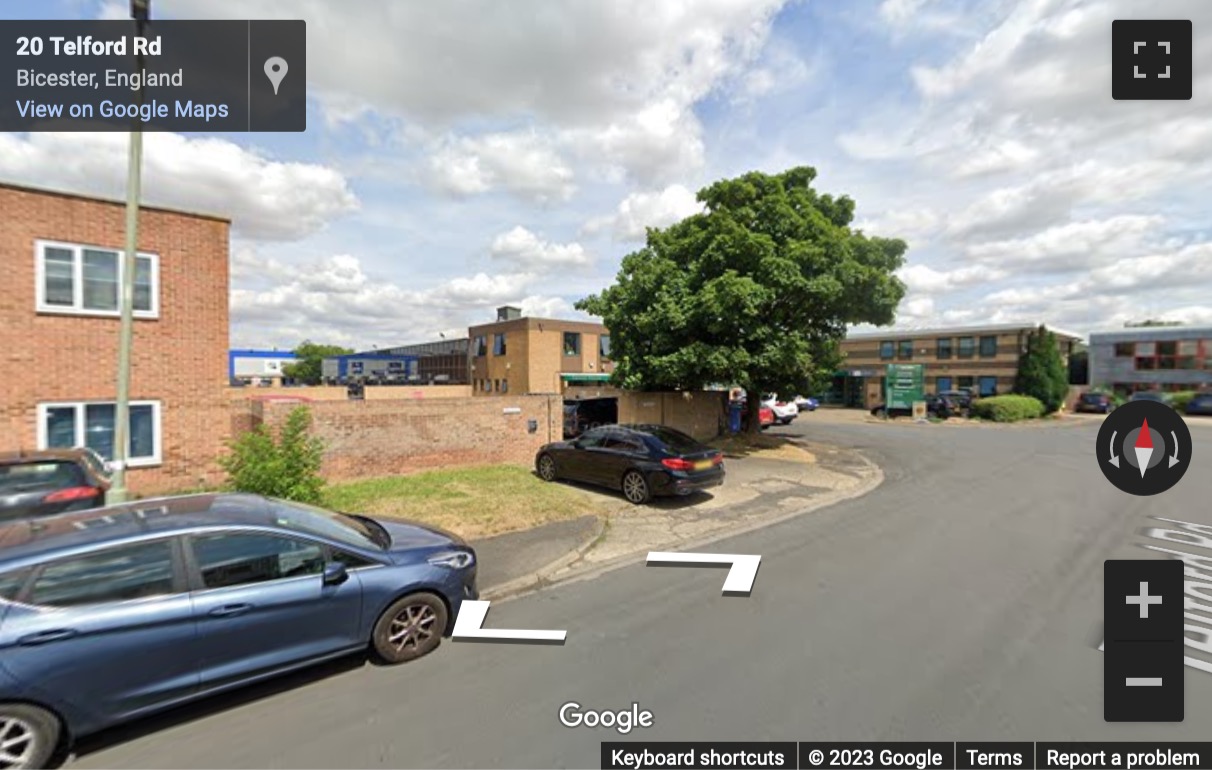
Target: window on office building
(988,346)
(604,346)
(91,425)
(480,346)
(498,344)
(85,280)
(944,347)
(887,349)
(943,385)
(965,382)
(1125,350)
(504,386)
(988,386)
(572,343)
(904,349)
(966,347)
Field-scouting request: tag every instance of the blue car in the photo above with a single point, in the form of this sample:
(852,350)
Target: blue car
(113,613)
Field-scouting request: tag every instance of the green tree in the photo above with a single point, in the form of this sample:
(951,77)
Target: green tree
(1042,372)
(307,369)
(286,466)
(756,291)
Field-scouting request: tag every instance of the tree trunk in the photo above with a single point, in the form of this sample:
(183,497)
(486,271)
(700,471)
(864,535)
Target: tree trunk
(754,398)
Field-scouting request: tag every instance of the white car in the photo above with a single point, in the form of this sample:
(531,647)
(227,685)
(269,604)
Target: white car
(784,411)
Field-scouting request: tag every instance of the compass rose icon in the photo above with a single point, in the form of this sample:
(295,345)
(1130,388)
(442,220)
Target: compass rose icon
(1144,447)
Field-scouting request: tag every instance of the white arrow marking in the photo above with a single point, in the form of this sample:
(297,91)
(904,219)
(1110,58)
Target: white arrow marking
(741,574)
(1174,457)
(1143,453)
(471,617)
(1114,457)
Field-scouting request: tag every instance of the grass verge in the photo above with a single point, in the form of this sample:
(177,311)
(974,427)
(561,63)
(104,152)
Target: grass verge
(471,502)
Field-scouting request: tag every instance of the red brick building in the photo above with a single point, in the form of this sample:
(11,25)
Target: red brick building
(61,256)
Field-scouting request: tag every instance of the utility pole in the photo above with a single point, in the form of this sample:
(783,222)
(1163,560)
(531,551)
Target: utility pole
(140,11)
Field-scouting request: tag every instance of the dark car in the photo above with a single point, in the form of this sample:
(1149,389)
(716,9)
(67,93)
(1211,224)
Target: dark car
(936,406)
(1150,395)
(960,399)
(1097,403)
(1201,404)
(110,614)
(643,461)
(51,481)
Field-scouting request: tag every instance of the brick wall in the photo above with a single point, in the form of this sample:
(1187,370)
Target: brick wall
(368,439)
(331,393)
(697,413)
(179,359)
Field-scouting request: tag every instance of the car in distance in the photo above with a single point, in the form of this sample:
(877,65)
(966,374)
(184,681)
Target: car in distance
(51,481)
(806,403)
(642,461)
(784,411)
(936,406)
(113,613)
(1096,403)
(1200,404)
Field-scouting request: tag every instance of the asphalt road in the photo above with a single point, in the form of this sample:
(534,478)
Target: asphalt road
(961,600)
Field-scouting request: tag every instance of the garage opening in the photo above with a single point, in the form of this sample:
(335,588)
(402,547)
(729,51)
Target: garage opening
(583,414)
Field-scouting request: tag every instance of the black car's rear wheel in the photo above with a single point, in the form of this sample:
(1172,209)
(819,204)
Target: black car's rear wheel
(409,628)
(28,736)
(635,488)
(547,468)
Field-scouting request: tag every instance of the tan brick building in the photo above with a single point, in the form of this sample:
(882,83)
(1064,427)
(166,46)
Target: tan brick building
(59,321)
(520,355)
(982,359)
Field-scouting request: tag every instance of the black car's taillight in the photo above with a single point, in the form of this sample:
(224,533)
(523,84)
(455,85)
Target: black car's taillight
(72,494)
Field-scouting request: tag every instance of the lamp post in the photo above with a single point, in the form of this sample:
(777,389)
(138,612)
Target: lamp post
(140,11)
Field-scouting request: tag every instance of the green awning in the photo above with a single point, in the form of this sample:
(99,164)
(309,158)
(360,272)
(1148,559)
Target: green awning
(581,377)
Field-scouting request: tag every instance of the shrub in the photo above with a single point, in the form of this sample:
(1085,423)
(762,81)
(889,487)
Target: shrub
(1008,408)
(286,466)
(1180,399)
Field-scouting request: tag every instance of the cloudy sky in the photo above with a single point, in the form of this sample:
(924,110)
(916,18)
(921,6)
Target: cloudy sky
(466,154)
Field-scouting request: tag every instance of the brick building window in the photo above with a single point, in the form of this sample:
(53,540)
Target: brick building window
(86,280)
(887,349)
(966,345)
(988,386)
(965,382)
(479,346)
(498,344)
(91,424)
(944,347)
(604,346)
(504,386)
(988,346)
(905,349)
(572,343)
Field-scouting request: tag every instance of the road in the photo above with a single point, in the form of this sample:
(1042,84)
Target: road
(961,600)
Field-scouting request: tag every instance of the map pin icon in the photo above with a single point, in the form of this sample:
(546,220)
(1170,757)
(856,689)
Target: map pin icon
(275,70)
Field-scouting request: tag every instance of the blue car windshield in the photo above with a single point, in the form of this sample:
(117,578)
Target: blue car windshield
(318,521)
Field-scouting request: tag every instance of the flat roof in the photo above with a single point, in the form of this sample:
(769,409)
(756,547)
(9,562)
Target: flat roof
(1137,332)
(249,353)
(960,330)
(109,201)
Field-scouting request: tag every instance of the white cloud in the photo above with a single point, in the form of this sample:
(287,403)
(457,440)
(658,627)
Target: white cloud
(641,210)
(1071,246)
(924,279)
(529,251)
(523,163)
(899,12)
(265,199)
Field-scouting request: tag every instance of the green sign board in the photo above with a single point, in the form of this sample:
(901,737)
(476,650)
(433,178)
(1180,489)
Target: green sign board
(905,383)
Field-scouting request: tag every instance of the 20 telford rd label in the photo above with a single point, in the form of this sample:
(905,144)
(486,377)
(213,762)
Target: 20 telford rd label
(155,76)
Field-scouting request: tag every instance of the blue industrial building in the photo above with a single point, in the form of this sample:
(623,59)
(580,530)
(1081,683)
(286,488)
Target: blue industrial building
(375,367)
(258,365)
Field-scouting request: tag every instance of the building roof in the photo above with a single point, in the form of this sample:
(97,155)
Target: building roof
(959,330)
(376,356)
(246,353)
(110,201)
(1151,332)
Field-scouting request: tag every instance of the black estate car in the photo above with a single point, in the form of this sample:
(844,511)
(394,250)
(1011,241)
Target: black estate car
(50,481)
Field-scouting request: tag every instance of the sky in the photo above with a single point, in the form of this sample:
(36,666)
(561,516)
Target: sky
(468,154)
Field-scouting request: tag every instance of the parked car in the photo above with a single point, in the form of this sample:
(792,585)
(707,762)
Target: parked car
(1150,395)
(806,403)
(1201,404)
(960,399)
(1097,403)
(642,461)
(110,614)
(936,406)
(51,481)
(766,417)
(784,411)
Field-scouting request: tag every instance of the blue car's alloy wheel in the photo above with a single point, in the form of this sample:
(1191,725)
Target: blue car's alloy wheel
(28,736)
(410,627)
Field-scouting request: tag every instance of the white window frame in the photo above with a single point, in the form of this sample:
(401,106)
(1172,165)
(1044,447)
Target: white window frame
(132,462)
(77,306)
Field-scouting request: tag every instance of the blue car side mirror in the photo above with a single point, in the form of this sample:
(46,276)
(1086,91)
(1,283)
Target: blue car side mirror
(335,573)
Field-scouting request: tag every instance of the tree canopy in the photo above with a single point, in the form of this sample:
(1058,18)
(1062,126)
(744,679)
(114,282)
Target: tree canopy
(1042,372)
(309,355)
(756,291)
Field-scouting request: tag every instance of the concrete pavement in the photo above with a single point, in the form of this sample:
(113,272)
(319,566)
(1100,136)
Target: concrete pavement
(960,600)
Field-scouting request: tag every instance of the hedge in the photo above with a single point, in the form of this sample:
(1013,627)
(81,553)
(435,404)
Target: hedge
(1179,400)
(1008,408)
